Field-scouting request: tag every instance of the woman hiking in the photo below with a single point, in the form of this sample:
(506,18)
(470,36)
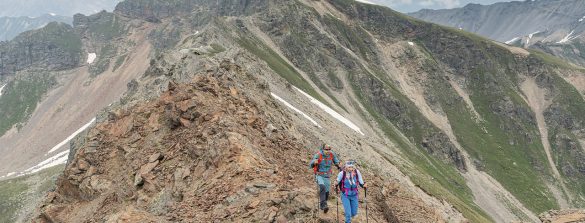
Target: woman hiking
(348,181)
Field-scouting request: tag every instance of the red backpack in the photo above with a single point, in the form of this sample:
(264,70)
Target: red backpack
(316,166)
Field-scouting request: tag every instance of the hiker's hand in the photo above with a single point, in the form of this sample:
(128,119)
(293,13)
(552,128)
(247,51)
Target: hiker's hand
(365,185)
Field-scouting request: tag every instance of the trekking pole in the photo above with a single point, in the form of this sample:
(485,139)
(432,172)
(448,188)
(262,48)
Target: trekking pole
(337,201)
(318,194)
(366,201)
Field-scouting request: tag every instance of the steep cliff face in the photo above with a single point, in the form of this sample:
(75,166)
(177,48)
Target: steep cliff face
(449,122)
(53,47)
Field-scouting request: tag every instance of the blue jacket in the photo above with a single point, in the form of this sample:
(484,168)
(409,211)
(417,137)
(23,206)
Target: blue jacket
(350,185)
(326,163)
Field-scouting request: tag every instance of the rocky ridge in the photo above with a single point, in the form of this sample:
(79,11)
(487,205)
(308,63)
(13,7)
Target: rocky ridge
(201,152)
(447,117)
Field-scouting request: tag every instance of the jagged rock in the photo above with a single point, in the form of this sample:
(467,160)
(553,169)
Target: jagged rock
(146,168)
(155,157)
(50,214)
(83,165)
(138,180)
(184,106)
(281,219)
(253,204)
(185,122)
(264,185)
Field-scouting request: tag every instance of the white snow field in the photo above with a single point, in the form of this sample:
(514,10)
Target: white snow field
(295,109)
(332,112)
(71,136)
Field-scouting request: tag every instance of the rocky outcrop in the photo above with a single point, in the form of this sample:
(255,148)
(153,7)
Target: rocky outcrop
(564,216)
(183,156)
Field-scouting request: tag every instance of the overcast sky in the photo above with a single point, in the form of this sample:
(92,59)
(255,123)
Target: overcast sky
(415,5)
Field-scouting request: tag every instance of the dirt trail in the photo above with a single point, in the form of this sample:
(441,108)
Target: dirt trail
(537,100)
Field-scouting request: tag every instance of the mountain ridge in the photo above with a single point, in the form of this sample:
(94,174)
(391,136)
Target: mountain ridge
(555,27)
(448,117)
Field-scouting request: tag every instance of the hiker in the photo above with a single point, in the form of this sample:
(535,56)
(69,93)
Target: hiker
(348,181)
(321,164)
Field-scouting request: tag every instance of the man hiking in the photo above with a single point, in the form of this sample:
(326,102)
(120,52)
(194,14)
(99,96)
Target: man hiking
(348,181)
(321,164)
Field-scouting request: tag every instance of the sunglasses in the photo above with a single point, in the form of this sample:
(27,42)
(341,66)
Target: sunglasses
(327,147)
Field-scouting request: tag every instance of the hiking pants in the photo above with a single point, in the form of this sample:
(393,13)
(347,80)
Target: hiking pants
(350,206)
(324,184)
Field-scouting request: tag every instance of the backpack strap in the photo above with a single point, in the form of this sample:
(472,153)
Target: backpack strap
(342,183)
(316,167)
(358,175)
(330,157)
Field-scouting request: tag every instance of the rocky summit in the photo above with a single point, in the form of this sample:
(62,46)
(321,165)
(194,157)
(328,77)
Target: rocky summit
(210,111)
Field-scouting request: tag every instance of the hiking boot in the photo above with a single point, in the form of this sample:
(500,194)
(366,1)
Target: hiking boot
(325,210)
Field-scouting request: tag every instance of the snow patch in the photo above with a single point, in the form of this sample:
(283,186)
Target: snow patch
(367,2)
(91,57)
(512,40)
(8,175)
(52,14)
(530,36)
(71,136)
(581,19)
(567,38)
(332,112)
(2,88)
(60,158)
(295,109)
(411,43)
